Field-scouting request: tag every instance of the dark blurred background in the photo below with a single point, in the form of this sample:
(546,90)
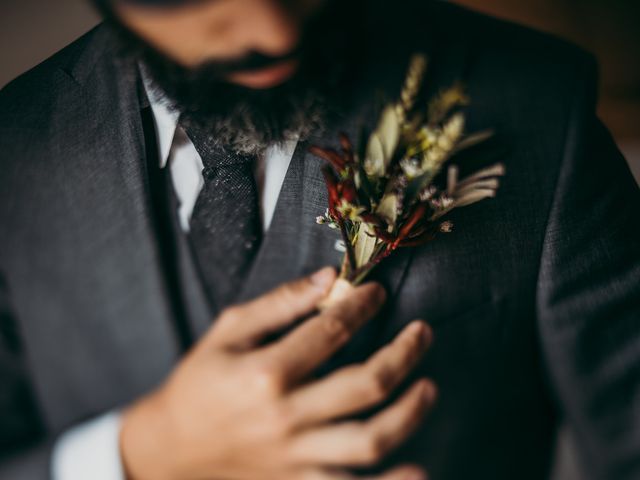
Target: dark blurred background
(31,30)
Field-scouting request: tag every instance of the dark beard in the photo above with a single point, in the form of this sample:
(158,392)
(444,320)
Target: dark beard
(248,120)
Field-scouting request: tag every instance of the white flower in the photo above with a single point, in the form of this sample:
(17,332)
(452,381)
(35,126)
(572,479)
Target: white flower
(411,167)
(350,211)
(446,226)
(382,143)
(428,193)
(476,187)
(446,201)
(453,129)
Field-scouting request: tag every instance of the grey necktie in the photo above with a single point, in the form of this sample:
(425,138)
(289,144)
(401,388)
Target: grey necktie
(225,225)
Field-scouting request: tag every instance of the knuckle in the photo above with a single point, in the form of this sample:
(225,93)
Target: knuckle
(335,327)
(287,294)
(368,310)
(379,384)
(268,378)
(298,287)
(411,348)
(363,303)
(230,314)
(373,295)
(371,450)
(412,413)
(313,474)
(295,292)
(292,295)
(281,419)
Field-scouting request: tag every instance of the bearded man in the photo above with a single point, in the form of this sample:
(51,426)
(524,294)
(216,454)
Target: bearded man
(158,243)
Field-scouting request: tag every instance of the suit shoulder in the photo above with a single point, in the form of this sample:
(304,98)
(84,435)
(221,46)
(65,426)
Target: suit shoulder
(35,88)
(526,54)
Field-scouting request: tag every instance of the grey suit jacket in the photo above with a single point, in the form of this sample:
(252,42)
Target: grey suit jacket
(534,298)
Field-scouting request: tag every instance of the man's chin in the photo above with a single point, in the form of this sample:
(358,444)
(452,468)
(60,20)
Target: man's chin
(265,78)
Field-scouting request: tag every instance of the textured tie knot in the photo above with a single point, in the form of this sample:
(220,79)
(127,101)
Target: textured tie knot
(224,158)
(205,140)
(217,159)
(225,225)
(213,168)
(227,167)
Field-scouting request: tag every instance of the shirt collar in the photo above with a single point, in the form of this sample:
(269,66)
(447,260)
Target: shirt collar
(165,118)
(166,121)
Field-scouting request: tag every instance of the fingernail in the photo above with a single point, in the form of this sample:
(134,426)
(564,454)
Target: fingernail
(427,334)
(323,278)
(429,391)
(420,329)
(416,476)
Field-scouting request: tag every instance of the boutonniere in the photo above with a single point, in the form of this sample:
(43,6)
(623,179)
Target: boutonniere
(382,195)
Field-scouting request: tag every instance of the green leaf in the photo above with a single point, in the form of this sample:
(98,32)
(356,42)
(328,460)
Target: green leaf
(374,163)
(366,193)
(382,143)
(389,131)
(388,208)
(472,140)
(365,245)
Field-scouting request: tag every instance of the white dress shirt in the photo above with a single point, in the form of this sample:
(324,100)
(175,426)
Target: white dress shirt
(91,450)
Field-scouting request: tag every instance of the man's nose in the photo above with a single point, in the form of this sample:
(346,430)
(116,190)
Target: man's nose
(279,30)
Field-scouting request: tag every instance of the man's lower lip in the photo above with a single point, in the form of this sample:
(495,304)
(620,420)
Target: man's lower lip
(266,77)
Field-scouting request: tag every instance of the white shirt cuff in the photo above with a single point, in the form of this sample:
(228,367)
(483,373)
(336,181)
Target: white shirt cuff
(89,450)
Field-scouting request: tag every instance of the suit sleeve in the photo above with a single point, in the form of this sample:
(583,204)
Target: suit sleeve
(588,297)
(88,450)
(24,454)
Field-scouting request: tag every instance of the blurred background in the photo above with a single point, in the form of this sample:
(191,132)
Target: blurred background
(31,30)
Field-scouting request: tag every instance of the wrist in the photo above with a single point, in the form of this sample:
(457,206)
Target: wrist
(144,441)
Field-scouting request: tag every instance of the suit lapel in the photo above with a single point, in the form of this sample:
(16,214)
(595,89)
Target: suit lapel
(109,323)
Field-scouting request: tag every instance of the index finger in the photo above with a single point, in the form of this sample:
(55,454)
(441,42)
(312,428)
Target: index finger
(314,341)
(246,324)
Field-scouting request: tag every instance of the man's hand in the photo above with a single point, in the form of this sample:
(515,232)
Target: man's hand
(234,409)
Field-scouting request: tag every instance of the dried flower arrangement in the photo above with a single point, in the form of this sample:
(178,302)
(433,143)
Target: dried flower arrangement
(382,196)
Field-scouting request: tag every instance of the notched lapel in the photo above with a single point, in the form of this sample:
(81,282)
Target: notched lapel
(108,335)
(294,245)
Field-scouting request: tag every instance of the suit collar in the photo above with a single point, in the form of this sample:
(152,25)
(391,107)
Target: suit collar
(98,276)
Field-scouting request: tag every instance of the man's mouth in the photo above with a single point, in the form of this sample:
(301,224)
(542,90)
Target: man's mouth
(266,77)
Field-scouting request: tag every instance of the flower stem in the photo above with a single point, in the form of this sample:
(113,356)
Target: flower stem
(351,257)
